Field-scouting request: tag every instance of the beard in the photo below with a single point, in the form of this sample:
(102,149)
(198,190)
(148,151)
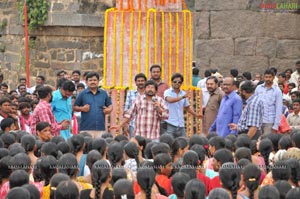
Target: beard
(150,93)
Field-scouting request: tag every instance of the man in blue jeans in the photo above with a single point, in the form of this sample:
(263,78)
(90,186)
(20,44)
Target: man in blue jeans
(177,100)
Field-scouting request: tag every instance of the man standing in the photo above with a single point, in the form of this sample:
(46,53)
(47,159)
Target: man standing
(62,105)
(94,104)
(43,113)
(177,100)
(76,74)
(296,74)
(148,110)
(294,117)
(230,110)
(271,96)
(213,104)
(140,80)
(5,111)
(40,80)
(155,72)
(25,117)
(251,119)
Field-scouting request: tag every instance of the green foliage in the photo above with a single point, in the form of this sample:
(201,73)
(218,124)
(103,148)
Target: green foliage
(37,11)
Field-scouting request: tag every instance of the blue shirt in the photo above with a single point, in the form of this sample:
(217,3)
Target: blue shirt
(176,117)
(229,112)
(62,110)
(252,114)
(272,100)
(93,120)
(195,80)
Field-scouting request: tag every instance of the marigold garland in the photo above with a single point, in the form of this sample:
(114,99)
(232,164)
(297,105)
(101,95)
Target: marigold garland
(191,47)
(155,39)
(131,50)
(115,50)
(121,48)
(177,42)
(170,47)
(163,44)
(184,47)
(139,42)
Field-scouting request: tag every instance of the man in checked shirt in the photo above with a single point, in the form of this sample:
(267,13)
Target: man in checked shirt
(148,110)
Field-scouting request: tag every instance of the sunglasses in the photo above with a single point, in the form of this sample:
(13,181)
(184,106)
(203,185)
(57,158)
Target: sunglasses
(177,82)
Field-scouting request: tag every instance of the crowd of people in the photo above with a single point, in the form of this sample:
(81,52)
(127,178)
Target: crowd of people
(54,142)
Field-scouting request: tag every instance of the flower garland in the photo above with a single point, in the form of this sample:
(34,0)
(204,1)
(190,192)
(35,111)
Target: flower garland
(184,46)
(177,42)
(115,50)
(163,44)
(131,50)
(155,39)
(199,110)
(147,42)
(139,41)
(121,48)
(191,46)
(170,47)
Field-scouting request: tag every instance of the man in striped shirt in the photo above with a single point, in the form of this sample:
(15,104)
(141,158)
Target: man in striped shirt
(148,110)
(251,119)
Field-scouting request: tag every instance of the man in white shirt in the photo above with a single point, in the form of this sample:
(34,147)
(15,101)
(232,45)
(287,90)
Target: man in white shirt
(295,75)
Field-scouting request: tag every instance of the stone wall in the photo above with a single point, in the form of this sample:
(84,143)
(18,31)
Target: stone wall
(72,38)
(243,34)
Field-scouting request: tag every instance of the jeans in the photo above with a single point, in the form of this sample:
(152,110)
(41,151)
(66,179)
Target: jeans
(175,130)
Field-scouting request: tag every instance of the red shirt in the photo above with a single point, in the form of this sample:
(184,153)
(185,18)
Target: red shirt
(165,183)
(206,181)
(214,183)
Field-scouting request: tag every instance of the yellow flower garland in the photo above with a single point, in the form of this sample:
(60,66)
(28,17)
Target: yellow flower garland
(184,47)
(131,50)
(163,45)
(147,43)
(191,47)
(170,47)
(121,48)
(155,39)
(139,42)
(115,50)
(177,42)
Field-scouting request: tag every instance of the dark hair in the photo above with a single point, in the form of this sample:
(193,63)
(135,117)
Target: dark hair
(60,72)
(195,139)
(18,193)
(76,143)
(3,152)
(223,156)
(147,151)
(230,177)
(34,192)
(177,75)
(4,85)
(117,174)
(49,148)
(213,78)
(251,175)
(57,139)
(229,144)
(68,86)
(160,148)
(155,66)
(48,167)
(292,84)
(146,179)
(293,193)
(243,162)
(67,190)
(6,123)
(21,85)
(242,141)
(167,138)
(76,72)
(190,171)
(140,75)
(248,87)
(115,153)
(151,82)
(179,143)
(295,170)
(268,192)
(7,139)
(195,189)
(123,187)
(132,151)
(285,142)
(67,164)
(274,137)
(141,142)
(100,173)
(24,105)
(200,152)
(283,75)
(296,139)
(28,143)
(190,158)
(100,145)
(120,138)
(274,70)
(234,72)
(15,148)
(242,153)
(281,171)
(217,141)
(265,148)
(55,180)
(92,74)
(4,168)
(178,182)
(18,178)
(3,100)
(92,157)
(160,161)
(20,161)
(269,72)
(80,85)
(44,91)
(283,187)
(289,69)
(247,75)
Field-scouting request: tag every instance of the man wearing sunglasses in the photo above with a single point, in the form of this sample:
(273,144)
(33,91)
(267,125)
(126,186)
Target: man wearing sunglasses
(177,100)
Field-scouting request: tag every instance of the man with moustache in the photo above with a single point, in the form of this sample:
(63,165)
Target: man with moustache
(43,113)
(140,80)
(93,103)
(230,110)
(148,110)
(271,96)
(62,105)
(252,116)
(213,104)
